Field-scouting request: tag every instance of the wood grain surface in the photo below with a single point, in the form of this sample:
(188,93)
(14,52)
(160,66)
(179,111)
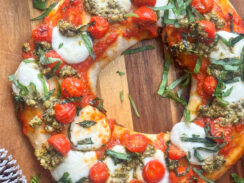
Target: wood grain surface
(142,79)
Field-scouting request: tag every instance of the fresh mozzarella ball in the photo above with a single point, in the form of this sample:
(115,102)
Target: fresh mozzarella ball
(187,130)
(125,4)
(77,164)
(73,51)
(237,92)
(222,51)
(28,73)
(98,134)
(159,155)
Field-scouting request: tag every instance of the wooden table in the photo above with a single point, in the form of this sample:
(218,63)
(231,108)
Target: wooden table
(142,79)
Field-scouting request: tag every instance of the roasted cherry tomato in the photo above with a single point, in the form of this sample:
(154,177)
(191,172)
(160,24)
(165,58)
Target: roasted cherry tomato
(99,173)
(182,179)
(54,54)
(226,149)
(42,33)
(153,171)
(65,113)
(144,2)
(60,143)
(217,130)
(100,27)
(201,122)
(209,85)
(72,87)
(203,6)
(175,153)
(136,143)
(209,28)
(146,16)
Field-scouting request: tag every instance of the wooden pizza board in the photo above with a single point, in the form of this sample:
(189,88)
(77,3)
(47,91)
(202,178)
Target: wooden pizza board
(142,79)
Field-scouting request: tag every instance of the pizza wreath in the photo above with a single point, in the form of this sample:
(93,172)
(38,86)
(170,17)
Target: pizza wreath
(55,90)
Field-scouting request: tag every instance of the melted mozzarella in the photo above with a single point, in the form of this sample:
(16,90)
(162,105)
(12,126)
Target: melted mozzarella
(222,51)
(160,3)
(28,73)
(181,130)
(159,155)
(73,51)
(98,133)
(237,92)
(110,164)
(77,164)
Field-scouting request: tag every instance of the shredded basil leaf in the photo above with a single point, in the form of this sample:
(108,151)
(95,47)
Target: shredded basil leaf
(236,178)
(87,41)
(23,89)
(198,65)
(199,173)
(48,10)
(178,81)
(165,75)
(49,95)
(45,89)
(65,178)
(231,22)
(40,4)
(118,157)
(35,179)
(60,45)
(162,8)
(28,61)
(187,115)
(120,73)
(131,15)
(121,96)
(137,50)
(87,123)
(71,99)
(58,89)
(173,96)
(85,141)
(134,106)
(83,180)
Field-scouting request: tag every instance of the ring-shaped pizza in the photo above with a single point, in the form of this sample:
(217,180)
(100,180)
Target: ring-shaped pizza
(55,90)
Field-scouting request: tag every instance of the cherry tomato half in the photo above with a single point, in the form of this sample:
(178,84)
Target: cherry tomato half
(99,173)
(209,85)
(72,87)
(146,16)
(65,113)
(144,2)
(175,153)
(203,6)
(209,28)
(153,171)
(60,143)
(100,27)
(136,143)
(42,33)
(182,179)
(54,54)
(217,130)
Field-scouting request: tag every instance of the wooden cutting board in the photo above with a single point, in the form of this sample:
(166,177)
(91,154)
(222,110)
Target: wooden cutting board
(142,79)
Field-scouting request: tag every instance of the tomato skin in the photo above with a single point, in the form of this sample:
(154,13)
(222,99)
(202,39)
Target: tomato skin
(65,113)
(209,28)
(146,16)
(217,130)
(72,87)
(60,143)
(203,6)
(42,33)
(153,171)
(100,28)
(136,181)
(209,85)
(144,2)
(175,153)
(136,143)
(54,54)
(201,121)
(183,179)
(99,173)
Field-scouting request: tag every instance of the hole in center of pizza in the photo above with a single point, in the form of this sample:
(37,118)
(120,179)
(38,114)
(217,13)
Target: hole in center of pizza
(55,90)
